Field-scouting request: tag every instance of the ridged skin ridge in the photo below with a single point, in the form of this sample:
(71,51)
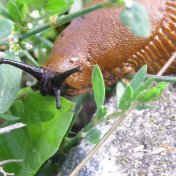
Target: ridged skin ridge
(100,38)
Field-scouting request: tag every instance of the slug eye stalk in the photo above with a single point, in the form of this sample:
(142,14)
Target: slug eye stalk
(48,82)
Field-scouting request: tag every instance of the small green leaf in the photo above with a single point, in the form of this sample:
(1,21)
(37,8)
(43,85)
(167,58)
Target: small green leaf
(117,2)
(9,117)
(126,99)
(162,85)
(153,93)
(120,89)
(143,88)
(136,18)
(41,137)
(93,135)
(10,78)
(14,12)
(5,28)
(144,107)
(98,86)
(23,8)
(58,6)
(139,78)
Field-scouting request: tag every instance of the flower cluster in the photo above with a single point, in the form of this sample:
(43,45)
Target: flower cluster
(16,47)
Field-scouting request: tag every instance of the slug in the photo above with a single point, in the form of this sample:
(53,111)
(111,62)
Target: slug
(100,38)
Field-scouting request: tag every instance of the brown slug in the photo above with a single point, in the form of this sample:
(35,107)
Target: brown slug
(100,38)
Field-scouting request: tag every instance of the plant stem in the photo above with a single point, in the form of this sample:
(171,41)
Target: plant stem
(26,53)
(9,128)
(72,142)
(156,78)
(167,64)
(9,161)
(45,41)
(58,21)
(96,147)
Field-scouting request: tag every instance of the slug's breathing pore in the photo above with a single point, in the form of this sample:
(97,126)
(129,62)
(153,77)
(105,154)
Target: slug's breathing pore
(100,38)
(48,82)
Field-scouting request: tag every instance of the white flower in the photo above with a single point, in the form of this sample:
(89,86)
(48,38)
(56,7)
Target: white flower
(29,26)
(15,40)
(35,14)
(128,3)
(27,46)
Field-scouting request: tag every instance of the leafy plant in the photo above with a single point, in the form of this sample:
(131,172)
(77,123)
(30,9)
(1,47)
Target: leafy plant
(41,138)
(126,101)
(140,91)
(48,129)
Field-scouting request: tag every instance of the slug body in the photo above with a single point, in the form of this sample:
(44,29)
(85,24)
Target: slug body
(100,38)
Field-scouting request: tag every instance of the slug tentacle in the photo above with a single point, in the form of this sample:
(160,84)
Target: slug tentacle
(59,77)
(36,72)
(48,82)
(57,93)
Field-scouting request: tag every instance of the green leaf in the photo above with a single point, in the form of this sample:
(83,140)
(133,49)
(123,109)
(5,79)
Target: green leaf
(98,86)
(4,11)
(53,7)
(23,8)
(120,89)
(10,78)
(126,99)
(36,4)
(117,2)
(9,117)
(93,135)
(41,138)
(139,78)
(136,18)
(153,93)
(162,85)
(76,112)
(14,12)
(143,88)
(58,6)
(5,28)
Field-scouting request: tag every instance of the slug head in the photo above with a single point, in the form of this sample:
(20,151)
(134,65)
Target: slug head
(48,82)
